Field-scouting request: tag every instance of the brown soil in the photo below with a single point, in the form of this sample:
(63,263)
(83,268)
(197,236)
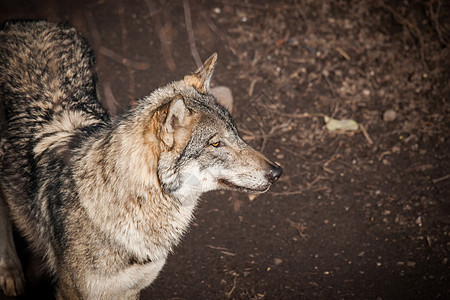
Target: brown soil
(359,215)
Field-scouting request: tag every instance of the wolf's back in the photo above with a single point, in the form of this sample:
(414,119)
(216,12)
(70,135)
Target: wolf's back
(45,67)
(48,96)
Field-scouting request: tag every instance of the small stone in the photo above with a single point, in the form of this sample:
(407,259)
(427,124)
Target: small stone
(411,264)
(419,221)
(252,197)
(389,115)
(277,261)
(224,96)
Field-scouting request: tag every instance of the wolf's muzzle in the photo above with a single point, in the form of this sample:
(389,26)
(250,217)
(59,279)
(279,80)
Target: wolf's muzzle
(274,173)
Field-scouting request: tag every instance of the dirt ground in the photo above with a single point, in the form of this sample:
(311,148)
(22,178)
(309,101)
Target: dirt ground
(363,214)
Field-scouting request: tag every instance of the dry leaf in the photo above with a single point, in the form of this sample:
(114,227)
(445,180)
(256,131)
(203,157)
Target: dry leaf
(340,125)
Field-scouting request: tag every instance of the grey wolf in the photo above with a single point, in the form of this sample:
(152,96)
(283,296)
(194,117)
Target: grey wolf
(104,200)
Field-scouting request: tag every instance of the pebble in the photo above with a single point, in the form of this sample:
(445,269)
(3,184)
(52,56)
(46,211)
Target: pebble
(389,115)
(224,96)
(411,264)
(277,261)
(252,197)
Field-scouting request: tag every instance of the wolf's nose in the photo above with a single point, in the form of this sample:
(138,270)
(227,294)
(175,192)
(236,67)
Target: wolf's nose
(275,173)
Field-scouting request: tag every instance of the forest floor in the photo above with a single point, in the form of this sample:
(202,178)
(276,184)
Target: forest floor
(360,214)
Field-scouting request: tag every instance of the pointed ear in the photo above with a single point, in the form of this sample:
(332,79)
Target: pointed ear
(201,78)
(176,116)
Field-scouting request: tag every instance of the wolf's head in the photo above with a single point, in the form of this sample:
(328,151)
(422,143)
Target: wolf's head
(200,146)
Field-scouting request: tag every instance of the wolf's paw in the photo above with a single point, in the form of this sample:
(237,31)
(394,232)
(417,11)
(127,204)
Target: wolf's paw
(12,281)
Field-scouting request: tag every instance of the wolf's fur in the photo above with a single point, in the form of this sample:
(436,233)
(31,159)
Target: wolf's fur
(104,201)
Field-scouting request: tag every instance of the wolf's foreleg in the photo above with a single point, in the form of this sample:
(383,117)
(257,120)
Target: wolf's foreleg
(12,281)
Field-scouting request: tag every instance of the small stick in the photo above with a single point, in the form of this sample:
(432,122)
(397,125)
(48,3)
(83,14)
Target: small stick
(141,66)
(252,86)
(383,154)
(130,71)
(262,6)
(107,91)
(264,140)
(221,35)
(233,288)
(165,48)
(435,17)
(190,32)
(108,52)
(92,27)
(217,248)
(441,178)
(287,193)
(366,135)
(343,53)
(333,94)
(309,185)
(299,116)
(413,29)
(325,164)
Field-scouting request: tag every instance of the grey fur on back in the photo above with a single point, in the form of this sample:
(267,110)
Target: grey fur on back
(45,70)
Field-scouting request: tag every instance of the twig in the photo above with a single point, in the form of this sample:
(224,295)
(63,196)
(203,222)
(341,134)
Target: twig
(221,35)
(309,185)
(412,28)
(262,6)
(287,193)
(252,87)
(325,164)
(110,101)
(441,178)
(165,47)
(299,116)
(295,153)
(330,85)
(302,15)
(190,32)
(107,91)
(383,154)
(264,140)
(228,253)
(233,288)
(343,53)
(92,27)
(249,135)
(217,248)
(141,66)
(300,228)
(435,18)
(130,71)
(366,135)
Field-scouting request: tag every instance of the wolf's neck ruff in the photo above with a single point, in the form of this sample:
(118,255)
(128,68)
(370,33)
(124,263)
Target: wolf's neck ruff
(118,169)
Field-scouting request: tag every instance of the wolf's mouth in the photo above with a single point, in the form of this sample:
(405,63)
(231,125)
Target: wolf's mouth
(232,186)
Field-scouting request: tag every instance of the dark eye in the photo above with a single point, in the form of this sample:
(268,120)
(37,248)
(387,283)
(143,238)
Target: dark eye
(216,144)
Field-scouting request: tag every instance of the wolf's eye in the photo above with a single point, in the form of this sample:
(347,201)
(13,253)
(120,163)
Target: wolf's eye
(216,144)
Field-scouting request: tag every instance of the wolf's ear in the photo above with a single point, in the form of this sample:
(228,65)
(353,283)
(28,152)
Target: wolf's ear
(176,117)
(201,78)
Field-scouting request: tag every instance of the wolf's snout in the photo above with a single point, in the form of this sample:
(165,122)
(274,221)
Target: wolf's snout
(274,173)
